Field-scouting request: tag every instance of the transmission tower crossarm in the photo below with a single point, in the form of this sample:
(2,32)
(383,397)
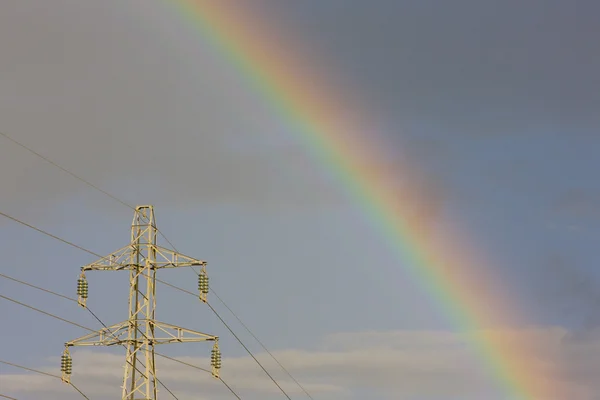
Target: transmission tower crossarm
(121,260)
(104,337)
(177,334)
(113,335)
(167,258)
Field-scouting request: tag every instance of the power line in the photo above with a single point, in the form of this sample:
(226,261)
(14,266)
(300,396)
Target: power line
(240,341)
(230,389)
(7,397)
(76,177)
(103,324)
(201,369)
(249,352)
(30,369)
(236,336)
(39,288)
(166,239)
(42,373)
(48,234)
(46,313)
(64,169)
(184,363)
(263,346)
(233,333)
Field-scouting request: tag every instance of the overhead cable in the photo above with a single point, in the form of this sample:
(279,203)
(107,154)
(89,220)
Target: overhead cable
(42,373)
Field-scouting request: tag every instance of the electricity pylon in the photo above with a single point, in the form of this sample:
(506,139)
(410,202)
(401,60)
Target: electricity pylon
(141,332)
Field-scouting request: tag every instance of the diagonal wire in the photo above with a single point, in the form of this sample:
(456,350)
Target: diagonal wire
(63,169)
(236,336)
(49,234)
(232,332)
(188,364)
(103,324)
(29,149)
(46,313)
(42,373)
(249,352)
(39,288)
(164,237)
(30,369)
(7,397)
(201,369)
(230,389)
(262,345)
(80,392)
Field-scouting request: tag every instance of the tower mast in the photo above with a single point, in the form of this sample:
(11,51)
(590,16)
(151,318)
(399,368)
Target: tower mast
(141,332)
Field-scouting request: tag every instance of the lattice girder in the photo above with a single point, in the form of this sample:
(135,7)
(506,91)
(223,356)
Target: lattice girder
(122,260)
(113,335)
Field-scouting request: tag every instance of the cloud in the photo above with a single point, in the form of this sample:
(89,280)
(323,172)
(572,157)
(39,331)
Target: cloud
(572,290)
(147,110)
(473,67)
(131,109)
(394,364)
(580,204)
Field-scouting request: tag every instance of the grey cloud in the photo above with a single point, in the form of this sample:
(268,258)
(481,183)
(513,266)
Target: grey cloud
(137,106)
(146,108)
(146,105)
(579,204)
(571,290)
(395,364)
(468,66)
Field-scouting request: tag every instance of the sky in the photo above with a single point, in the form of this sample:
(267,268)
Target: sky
(493,103)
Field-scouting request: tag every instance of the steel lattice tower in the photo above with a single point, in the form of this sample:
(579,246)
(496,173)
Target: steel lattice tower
(141,332)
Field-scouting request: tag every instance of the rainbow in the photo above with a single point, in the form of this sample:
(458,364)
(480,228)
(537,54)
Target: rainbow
(334,131)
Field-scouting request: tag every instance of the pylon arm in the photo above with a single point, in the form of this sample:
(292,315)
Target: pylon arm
(122,260)
(163,334)
(175,334)
(114,334)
